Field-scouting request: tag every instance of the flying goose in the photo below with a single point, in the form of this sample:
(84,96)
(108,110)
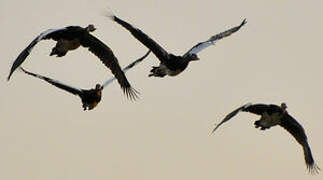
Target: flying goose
(72,37)
(90,97)
(272,115)
(171,64)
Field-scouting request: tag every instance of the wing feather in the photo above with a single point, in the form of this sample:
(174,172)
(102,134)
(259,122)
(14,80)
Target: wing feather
(131,65)
(25,53)
(202,45)
(22,56)
(231,115)
(258,109)
(105,54)
(52,33)
(298,132)
(160,52)
(68,88)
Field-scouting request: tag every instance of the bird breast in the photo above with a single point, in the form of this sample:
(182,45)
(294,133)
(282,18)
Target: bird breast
(270,120)
(169,72)
(173,73)
(66,45)
(99,94)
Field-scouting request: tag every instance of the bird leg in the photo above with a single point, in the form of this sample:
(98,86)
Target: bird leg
(85,106)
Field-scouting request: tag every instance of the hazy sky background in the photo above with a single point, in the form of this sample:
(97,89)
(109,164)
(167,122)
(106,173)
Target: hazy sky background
(276,57)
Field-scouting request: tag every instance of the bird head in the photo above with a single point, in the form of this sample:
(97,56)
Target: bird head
(98,87)
(193,57)
(90,28)
(283,106)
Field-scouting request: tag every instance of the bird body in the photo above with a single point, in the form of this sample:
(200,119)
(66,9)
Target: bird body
(91,97)
(272,115)
(170,64)
(171,67)
(266,121)
(63,46)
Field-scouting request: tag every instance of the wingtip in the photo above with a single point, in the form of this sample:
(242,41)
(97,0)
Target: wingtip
(22,69)
(216,127)
(108,13)
(313,169)
(131,93)
(147,53)
(144,56)
(244,22)
(9,76)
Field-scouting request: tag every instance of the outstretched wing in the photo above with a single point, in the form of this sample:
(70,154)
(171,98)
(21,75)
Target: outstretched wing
(127,68)
(23,55)
(258,109)
(298,132)
(231,115)
(131,65)
(202,45)
(105,54)
(70,89)
(143,38)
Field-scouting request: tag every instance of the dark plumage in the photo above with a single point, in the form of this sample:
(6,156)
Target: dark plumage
(272,115)
(70,38)
(171,64)
(90,97)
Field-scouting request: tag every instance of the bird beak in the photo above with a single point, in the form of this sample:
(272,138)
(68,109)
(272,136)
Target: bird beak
(196,59)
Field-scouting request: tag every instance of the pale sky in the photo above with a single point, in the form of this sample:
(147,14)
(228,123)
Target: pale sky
(276,57)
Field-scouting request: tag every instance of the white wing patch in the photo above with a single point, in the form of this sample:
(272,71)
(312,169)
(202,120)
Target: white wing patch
(108,82)
(247,105)
(49,31)
(42,36)
(201,46)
